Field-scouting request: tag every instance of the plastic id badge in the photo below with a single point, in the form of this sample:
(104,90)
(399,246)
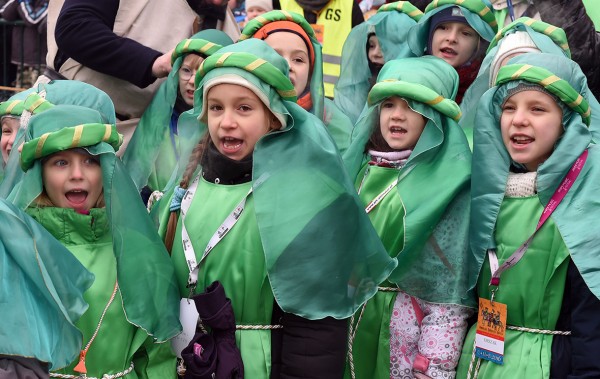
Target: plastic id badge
(491,329)
(319,32)
(188,316)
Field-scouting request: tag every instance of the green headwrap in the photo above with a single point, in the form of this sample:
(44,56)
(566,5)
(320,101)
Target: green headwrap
(479,15)
(390,24)
(548,39)
(434,183)
(299,188)
(144,272)
(152,153)
(491,163)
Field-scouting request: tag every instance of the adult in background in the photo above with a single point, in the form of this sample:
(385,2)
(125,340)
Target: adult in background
(123,47)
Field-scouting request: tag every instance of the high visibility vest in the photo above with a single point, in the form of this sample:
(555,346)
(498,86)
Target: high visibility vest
(336,21)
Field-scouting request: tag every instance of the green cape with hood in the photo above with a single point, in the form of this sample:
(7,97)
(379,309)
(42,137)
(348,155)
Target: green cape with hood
(42,292)
(322,255)
(390,24)
(43,97)
(338,124)
(434,183)
(575,217)
(152,152)
(144,271)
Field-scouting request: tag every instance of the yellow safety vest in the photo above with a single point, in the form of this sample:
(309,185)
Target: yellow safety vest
(336,21)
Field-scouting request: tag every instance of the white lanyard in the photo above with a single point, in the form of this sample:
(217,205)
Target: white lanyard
(383,193)
(226,226)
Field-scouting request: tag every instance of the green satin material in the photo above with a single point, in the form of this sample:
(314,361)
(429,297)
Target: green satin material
(88,237)
(238,262)
(41,292)
(371,348)
(532,290)
(338,125)
(166,162)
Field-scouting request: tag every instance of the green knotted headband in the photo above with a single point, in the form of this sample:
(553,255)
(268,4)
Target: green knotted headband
(402,7)
(68,138)
(552,83)
(198,46)
(11,107)
(258,67)
(257,23)
(556,34)
(475,6)
(414,91)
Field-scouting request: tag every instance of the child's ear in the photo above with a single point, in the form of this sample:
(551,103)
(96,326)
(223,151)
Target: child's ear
(274,123)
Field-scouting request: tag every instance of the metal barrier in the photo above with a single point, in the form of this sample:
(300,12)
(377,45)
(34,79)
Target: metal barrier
(10,71)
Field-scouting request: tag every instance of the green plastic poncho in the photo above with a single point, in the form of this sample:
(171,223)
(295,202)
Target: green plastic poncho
(390,24)
(338,124)
(479,15)
(42,292)
(431,263)
(491,162)
(152,152)
(144,272)
(322,256)
(41,98)
(547,38)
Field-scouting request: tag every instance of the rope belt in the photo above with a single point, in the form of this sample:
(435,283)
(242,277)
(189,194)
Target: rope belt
(258,327)
(476,362)
(84,376)
(388,289)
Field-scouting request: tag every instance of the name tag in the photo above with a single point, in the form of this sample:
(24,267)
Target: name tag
(491,329)
(188,316)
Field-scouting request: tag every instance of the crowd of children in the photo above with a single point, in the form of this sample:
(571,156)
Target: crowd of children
(435,219)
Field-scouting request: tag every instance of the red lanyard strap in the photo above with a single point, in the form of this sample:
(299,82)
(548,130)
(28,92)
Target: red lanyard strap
(555,200)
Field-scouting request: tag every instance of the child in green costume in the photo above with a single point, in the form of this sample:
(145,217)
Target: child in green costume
(294,39)
(533,234)
(153,151)
(76,188)
(289,242)
(381,38)
(458,32)
(411,165)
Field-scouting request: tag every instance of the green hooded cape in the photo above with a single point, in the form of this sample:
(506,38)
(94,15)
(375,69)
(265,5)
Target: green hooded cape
(56,92)
(323,257)
(434,183)
(479,15)
(390,24)
(152,152)
(576,214)
(42,292)
(144,272)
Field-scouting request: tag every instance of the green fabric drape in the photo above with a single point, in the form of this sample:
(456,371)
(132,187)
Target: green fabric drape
(433,234)
(41,294)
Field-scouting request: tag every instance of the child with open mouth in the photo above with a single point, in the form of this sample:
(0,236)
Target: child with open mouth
(411,165)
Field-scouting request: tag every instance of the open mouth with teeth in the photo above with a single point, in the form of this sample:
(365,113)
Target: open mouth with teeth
(398,130)
(521,140)
(446,51)
(76,197)
(231,145)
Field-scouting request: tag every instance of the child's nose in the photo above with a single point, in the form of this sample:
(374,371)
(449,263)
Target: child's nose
(76,170)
